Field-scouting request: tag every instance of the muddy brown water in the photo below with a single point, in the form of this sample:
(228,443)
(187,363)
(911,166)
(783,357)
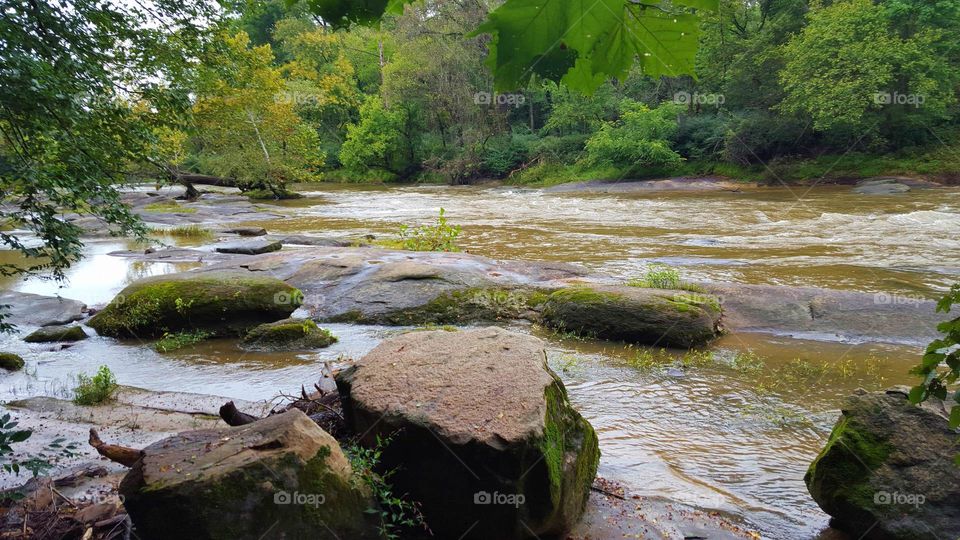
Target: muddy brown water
(732,433)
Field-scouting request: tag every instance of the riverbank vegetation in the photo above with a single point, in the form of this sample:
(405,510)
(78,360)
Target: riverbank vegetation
(780,92)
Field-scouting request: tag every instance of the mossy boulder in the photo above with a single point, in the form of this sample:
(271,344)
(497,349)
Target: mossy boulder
(282,476)
(289,335)
(636,315)
(483,434)
(887,470)
(221,303)
(53,334)
(10,361)
(463,306)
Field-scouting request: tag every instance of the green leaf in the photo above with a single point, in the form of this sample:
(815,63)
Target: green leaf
(20,436)
(955,417)
(917,394)
(584,42)
(342,13)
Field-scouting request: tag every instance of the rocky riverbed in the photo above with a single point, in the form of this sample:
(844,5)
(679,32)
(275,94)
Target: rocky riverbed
(651,431)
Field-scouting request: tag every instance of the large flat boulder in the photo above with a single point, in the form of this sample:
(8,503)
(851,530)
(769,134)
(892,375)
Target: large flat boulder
(249,247)
(278,477)
(827,314)
(38,310)
(888,470)
(634,314)
(483,435)
(375,286)
(224,303)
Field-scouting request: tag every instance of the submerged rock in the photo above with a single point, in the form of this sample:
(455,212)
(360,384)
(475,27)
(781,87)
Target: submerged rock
(888,470)
(223,303)
(251,247)
(483,435)
(247,231)
(282,476)
(636,315)
(289,335)
(880,186)
(10,361)
(52,334)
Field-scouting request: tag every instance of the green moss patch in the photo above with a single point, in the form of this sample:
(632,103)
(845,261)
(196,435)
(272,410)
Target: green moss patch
(10,361)
(289,334)
(221,303)
(53,334)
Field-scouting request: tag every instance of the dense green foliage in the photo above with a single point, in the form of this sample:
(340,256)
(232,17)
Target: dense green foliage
(940,367)
(262,93)
(84,88)
(783,89)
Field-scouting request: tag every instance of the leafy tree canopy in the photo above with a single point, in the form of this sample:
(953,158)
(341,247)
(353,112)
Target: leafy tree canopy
(581,42)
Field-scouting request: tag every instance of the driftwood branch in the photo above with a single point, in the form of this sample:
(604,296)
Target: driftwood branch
(120,454)
(235,417)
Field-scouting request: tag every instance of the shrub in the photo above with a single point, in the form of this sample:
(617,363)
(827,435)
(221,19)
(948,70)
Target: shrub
(95,390)
(641,138)
(171,342)
(439,237)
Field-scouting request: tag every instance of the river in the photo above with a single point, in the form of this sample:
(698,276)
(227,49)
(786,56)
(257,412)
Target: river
(732,433)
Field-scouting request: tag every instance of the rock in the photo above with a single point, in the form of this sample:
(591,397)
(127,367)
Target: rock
(253,247)
(375,286)
(38,310)
(880,186)
(52,334)
(10,361)
(826,314)
(634,314)
(267,194)
(223,303)
(888,470)
(282,475)
(289,335)
(483,435)
(304,240)
(247,231)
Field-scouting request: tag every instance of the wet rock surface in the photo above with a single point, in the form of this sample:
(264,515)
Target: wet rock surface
(825,314)
(888,470)
(53,334)
(10,361)
(38,310)
(482,432)
(249,247)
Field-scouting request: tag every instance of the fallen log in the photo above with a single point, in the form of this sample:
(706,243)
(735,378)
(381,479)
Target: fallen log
(234,417)
(119,454)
